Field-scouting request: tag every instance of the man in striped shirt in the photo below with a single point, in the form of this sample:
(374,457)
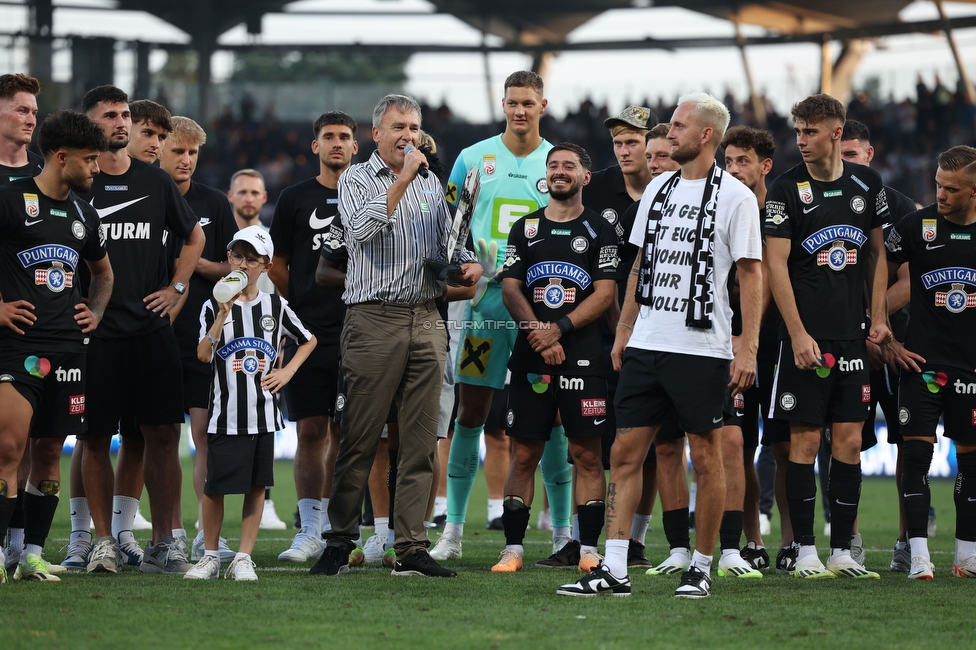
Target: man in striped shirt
(393,343)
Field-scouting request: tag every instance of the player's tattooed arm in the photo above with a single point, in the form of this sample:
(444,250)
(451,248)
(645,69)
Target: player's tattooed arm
(89,315)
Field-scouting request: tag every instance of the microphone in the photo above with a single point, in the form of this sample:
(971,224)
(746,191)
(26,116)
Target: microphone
(410,149)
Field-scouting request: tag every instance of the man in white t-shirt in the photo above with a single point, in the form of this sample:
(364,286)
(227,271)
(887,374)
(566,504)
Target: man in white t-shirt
(673,345)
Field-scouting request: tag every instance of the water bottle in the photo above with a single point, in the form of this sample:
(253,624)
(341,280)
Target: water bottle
(229,286)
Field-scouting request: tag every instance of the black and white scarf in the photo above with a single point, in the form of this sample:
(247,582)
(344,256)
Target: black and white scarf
(700,294)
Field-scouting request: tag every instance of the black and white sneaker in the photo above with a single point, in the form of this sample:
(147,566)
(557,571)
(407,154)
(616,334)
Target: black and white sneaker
(420,563)
(695,583)
(758,558)
(786,559)
(598,582)
(332,562)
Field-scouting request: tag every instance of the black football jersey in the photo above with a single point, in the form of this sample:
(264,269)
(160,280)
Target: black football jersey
(300,228)
(829,225)
(35,164)
(43,242)
(558,262)
(900,206)
(941,258)
(135,208)
(216,217)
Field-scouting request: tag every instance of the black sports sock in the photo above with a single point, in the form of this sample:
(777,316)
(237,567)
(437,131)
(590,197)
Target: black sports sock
(844,491)
(801,493)
(730,530)
(515,518)
(17,518)
(7,505)
(267,494)
(916,459)
(676,524)
(591,519)
(965,497)
(38,515)
(391,479)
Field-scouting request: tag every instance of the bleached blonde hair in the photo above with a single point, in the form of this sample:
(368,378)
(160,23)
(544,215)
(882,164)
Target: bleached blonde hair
(709,112)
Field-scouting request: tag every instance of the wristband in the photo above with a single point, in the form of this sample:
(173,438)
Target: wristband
(565,325)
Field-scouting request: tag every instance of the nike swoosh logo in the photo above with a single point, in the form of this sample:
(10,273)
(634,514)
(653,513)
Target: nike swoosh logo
(841,503)
(318,224)
(599,421)
(917,494)
(810,499)
(564,482)
(452,476)
(930,247)
(73,513)
(204,221)
(533,243)
(32,223)
(970,499)
(118,512)
(316,508)
(739,414)
(112,209)
(716,420)
(809,210)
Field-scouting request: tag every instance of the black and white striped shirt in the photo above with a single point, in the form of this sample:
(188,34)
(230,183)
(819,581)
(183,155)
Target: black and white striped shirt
(246,350)
(386,254)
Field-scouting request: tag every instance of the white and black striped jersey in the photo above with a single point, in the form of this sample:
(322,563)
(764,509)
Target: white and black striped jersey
(246,351)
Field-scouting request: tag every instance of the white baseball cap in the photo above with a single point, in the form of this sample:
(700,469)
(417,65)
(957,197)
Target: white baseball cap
(257,237)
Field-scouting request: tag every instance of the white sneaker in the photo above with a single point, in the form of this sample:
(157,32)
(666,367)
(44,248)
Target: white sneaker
(199,549)
(677,562)
(140,522)
(208,568)
(965,569)
(921,569)
(374,549)
(732,565)
(269,518)
(132,552)
(812,568)
(106,557)
(765,527)
(446,548)
(76,558)
(304,548)
(845,566)
(33,567)
(242,568)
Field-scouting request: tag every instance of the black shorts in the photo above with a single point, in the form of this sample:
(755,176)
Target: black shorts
(534,400)
(742,410)
(773,430)
(129,426)
(141,375)
(938,391)
(655,387)
(235,464)
(313,390)
(498,411)
(197,382)
(53,383)
(610,435)
(840,391)
(884,393)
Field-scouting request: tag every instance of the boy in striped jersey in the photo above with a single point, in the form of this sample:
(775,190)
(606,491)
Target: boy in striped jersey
(244,412)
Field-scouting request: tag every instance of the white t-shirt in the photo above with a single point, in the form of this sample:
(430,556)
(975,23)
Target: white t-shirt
(736,235)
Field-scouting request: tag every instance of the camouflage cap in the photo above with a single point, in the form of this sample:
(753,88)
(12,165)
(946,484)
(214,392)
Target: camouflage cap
(638,117)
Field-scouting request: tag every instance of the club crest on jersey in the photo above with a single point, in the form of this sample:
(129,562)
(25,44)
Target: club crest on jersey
(610,215)
(837,257)
(858,204)
(531,228)
(805,192)
(488,165)
(32,204)
(579,244)
(55,278)
(78,229)
(268,323)
(554,295)
(250,364)
(955,299)
(929,229)
(542,186)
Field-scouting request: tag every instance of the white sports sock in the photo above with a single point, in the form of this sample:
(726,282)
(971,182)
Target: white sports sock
(214,553)
(15,538)
(310,514)
(124,511)
(179,532)
(584,549)
(703,562)
(616,557)
(32,548)
(560,533)
(575,528)
(638,529)
(729,551)
(80,517)
(241,555)
(515,547)
(805,551)
(453,530)
(440,506)
(324,517)
(382,526)
(964,550)
(901,545)
(919,546)
(390,537)
(839,552)
(494,509)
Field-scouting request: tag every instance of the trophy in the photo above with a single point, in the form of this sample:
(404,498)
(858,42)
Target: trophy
(457,234)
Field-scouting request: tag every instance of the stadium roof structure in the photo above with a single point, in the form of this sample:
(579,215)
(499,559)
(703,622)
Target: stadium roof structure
(536,27)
